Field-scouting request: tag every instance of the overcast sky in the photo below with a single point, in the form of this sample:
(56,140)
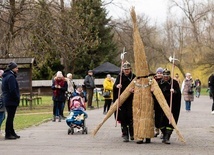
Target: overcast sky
(154,9)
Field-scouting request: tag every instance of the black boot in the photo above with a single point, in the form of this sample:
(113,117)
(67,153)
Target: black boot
(163,135)
(126,134)
(131,132)
(156,132)
(60,118)
(167,136)
(54,119)
(148,140)
(140,141)
(123,133)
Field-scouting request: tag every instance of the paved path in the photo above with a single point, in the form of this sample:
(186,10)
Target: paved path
(196,126)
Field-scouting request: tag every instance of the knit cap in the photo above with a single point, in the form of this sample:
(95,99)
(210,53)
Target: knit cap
(12,65)
(159,70)
(59,74)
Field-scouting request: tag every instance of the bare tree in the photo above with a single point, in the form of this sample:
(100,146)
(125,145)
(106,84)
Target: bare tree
(12,17)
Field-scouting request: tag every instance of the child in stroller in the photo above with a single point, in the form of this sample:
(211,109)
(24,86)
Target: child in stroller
(77,116)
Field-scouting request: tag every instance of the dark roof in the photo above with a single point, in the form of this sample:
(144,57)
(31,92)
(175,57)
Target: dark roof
(106,68)
(4,61)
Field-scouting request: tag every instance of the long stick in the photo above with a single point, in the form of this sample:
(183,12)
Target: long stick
(121,71)
(172,77)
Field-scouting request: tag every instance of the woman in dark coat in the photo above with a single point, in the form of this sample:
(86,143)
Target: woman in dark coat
(161,121)
(59,87)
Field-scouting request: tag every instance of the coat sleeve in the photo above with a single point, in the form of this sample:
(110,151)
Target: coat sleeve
(86,81)
(115,89)
(182,86)
(53,85)
(13,87)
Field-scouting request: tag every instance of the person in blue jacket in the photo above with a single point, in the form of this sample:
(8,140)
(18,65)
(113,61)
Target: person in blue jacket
(11,98)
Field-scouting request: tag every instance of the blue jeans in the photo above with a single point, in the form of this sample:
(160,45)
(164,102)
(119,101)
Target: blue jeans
(2,117)
(188,105)
(197,94)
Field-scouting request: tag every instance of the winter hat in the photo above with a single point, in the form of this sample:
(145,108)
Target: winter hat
(1,72)
(126,65)
(12,65)
(59,74)
(90,71)
(159,70)
(79,86)
(188,74)
(69,75)
(108,75)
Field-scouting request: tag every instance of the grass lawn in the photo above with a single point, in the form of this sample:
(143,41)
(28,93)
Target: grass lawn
(38,114)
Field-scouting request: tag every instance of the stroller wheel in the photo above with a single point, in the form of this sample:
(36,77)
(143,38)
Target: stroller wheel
(69,131)
(72,130)
(83,130)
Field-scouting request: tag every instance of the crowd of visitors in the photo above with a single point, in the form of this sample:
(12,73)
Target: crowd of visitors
(64,89)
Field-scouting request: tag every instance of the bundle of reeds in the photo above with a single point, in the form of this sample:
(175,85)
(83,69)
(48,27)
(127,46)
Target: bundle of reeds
(143,107)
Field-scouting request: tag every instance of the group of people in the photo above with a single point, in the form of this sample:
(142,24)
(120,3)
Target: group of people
(65,88)
(170,88)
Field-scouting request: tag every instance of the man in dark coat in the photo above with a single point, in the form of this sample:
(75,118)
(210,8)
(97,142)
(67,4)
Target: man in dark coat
(11,98)
(89,83)
(161,121)
(125,111)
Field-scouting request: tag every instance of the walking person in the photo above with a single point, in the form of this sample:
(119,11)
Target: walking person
(197,87)
(70,90)
(108,87)
(177,78)
(11,98)
(211,89)
(158,77)
(59,87)
(2,106)
(125,115)
(90,85)
(161,120)
(187,91)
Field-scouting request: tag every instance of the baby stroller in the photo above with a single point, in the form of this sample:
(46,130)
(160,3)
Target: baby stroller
(77,116)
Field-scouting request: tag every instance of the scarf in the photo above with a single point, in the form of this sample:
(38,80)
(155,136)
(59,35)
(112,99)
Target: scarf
(60,82)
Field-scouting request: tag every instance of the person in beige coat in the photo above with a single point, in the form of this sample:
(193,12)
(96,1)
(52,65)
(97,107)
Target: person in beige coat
(187,91)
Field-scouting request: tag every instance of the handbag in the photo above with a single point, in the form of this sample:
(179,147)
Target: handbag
(106,94)
(190,92)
